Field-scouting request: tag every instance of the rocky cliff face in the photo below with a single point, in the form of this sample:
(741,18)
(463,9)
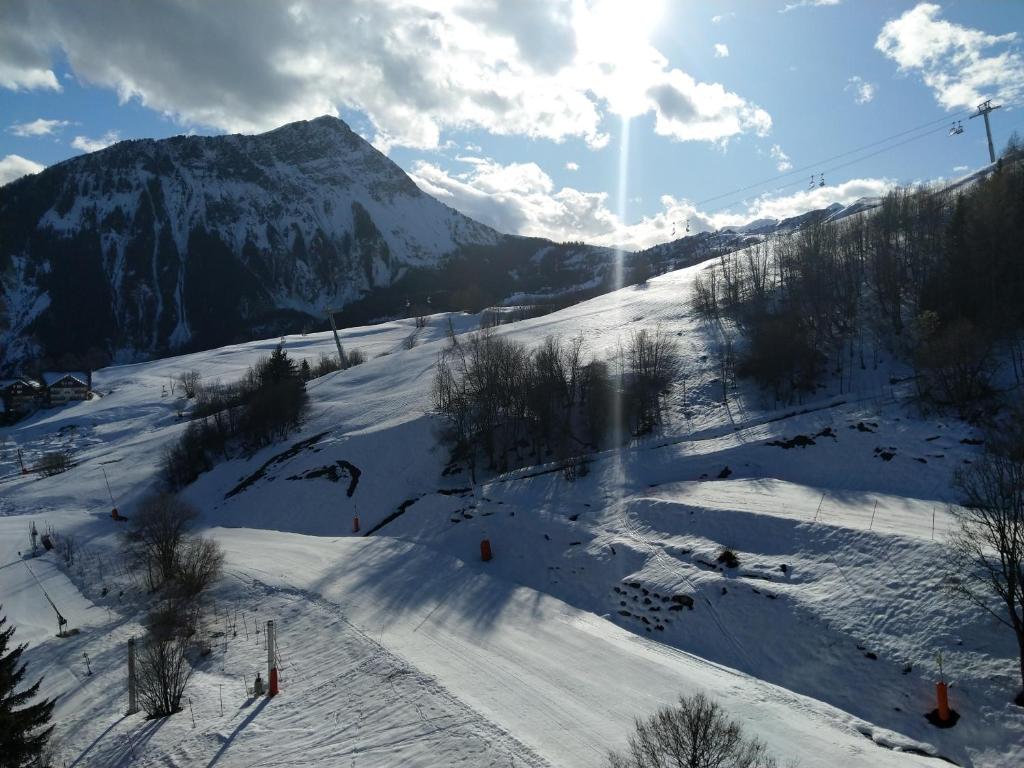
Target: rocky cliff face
(148,247)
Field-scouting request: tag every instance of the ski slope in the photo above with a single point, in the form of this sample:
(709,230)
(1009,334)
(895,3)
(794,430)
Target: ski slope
(402,648)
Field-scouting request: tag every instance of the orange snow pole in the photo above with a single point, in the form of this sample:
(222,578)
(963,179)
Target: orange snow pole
(942,699)
(355,524)
(485,550)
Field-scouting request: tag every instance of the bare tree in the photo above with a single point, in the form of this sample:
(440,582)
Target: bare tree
(190,382)
(53,463)
(696,733)
(67,547)
(652,362)
(988,546)
(200,562)
(162,672)
(157,530)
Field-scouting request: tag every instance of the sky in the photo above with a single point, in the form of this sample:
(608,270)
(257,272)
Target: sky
(615,122)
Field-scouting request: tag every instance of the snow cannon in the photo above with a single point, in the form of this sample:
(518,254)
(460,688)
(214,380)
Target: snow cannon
(485,550)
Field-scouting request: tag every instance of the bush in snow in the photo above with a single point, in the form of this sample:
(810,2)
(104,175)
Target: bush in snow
(652,364)
(189,381)
(162,672)
(54,463)
(156,532)
(200,562)
(696,732)
(501,399)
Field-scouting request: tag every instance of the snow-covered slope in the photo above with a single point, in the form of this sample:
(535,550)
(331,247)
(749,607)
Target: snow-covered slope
(401,647)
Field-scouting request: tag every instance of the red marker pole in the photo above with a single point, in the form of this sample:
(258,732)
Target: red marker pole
(942,700)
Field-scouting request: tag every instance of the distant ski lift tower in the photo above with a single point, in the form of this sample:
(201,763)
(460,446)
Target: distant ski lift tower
(983,110)
(337,340)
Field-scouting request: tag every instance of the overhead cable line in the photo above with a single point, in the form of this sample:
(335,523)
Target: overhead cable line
(833,168)
(816,165)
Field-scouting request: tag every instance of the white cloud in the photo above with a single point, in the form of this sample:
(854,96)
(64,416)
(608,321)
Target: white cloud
(571,166)
(520,198)
(782,161)
(722,17)
(863,91)
(951,58)
(15,166)
(721,50)
(24,54)
(553,69)
(85,144)
(959,168)
(39,127)
(28,78)
(690,111)
(808,4)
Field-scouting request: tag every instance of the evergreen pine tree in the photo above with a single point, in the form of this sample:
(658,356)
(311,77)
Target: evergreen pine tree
(279,368)
(24,727)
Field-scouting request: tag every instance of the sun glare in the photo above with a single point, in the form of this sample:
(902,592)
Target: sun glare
(614,37)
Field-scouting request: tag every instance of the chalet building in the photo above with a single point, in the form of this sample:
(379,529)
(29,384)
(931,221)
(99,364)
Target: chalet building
(21,395)
(64,387)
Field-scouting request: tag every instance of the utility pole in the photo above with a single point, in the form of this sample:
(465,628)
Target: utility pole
(337,340)
(983,110)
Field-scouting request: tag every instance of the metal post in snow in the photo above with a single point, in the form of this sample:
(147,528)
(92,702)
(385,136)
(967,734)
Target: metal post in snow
(871,525)
(133,705)
(271,660)
(818,511)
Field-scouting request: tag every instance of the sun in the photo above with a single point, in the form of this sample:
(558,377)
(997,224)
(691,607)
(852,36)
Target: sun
(614,38)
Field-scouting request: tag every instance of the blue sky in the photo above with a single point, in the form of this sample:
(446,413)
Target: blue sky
(517,112)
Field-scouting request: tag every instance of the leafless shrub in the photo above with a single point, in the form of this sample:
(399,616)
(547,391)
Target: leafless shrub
(988,547)
(53,463)
(156,532)
(652,363)
(954,363)
(355,357)
(695,733)
(190,382)
(200,562)
(326,364)
(162,672)
(67,548)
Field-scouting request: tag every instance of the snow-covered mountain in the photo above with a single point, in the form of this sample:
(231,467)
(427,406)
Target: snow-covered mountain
(148,246)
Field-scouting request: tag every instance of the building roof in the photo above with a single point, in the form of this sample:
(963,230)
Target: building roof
(52,377)
(5,383)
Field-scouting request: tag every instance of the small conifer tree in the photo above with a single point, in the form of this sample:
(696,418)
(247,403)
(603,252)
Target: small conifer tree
(24,727)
